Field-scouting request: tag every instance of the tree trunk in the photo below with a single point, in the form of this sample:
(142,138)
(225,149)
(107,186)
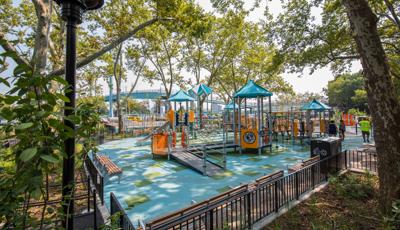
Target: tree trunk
(384,107)
(118,78)
(43,13)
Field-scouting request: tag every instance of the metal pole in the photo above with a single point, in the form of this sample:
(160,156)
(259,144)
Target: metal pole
(259,124)
(270,123)
(239,127)
(223,142)
(72,14)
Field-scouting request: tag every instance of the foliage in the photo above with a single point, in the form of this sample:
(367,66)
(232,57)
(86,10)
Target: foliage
(354,187)
(94,102)
(347,91)
(298,99)
(35,119)
(356,112)
(134,106)
(393,221)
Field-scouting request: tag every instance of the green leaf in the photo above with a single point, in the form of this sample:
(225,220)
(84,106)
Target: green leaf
(24,126)
(63,97)
(27,154)
(49,158)
(60,80)
(20,69)
(4,81)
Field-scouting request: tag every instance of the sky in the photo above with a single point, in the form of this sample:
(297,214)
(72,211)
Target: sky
(305,83)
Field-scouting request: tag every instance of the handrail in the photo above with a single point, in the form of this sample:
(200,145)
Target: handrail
(276,180)
(115,207)
(97,177)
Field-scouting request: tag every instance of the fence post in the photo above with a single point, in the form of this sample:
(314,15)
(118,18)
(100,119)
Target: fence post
(211,222)
(312,177)
(101,192)
(248,201)
(297,184)
(88,193)
(94,209)
(276,196)
(345,159)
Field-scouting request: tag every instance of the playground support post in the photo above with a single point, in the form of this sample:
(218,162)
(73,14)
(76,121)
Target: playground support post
(259,125)
(169,144)
(224,137)
(270,124)
(239,126)
(204,161)
(234,124)
(292,123)
(262,119)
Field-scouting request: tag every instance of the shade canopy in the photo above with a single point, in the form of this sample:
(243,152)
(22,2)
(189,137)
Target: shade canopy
(252,90)
(231,106)
(200,90)
(180,96)
(316,106)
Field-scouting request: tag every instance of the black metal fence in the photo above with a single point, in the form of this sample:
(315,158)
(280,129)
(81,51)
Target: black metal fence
(242,207)
(97,178)
(362,160)
(123,220)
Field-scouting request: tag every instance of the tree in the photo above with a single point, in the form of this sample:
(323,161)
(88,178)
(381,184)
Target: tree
(347,91)
(385,108)
(350,30)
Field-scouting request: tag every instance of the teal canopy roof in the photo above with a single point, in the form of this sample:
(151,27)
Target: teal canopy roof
(230,106)
(252,90)
(315,105)
(200,90)
(180,96)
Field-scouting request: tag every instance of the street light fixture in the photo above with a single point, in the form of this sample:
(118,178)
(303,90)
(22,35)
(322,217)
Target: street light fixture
(71,12)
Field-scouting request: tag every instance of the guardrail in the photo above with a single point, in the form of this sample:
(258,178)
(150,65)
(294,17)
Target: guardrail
(115,208)
(97,178)
(366,159)
(242,207)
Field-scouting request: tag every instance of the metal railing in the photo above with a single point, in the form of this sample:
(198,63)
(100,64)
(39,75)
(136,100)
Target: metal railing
(123,220)
(362,160)
(242,207)
(97,178)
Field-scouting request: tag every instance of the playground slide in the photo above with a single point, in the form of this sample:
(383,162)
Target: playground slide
(156,130)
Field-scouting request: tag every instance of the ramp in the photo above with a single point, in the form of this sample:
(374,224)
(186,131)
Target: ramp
(194,160)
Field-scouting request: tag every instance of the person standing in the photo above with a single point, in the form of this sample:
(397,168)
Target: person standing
(332,130)
(365,127)
(342,129)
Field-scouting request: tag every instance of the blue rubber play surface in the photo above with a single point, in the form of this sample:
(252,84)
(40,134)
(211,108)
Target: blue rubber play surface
(149,188)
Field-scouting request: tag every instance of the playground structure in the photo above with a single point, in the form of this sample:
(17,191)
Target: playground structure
(254,131)
(181,125)
(247,123)
(319,110)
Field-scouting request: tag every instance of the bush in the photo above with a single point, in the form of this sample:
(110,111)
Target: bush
(353,186)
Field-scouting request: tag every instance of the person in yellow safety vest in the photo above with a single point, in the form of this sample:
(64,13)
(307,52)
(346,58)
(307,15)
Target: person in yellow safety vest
(365,126)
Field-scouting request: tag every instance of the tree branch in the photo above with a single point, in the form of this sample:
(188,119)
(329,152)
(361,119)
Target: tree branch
(390,7)
(111,46)
(8,47)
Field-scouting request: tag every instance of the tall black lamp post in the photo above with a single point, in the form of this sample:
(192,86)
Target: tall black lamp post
(71,12)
